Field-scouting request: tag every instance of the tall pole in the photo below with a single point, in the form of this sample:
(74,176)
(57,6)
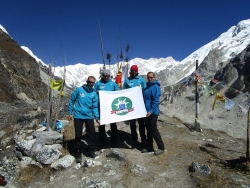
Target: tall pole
(48,128)
(101,44)
(248,134)
(118,49)
(196,123)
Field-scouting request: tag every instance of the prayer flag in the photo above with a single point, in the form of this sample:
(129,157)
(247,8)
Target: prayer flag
(220,97)
(229,104)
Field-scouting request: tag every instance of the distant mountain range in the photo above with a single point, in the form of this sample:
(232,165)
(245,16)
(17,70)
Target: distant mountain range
(227,46)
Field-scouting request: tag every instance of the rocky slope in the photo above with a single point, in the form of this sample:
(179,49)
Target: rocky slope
(20,74)
(20,86)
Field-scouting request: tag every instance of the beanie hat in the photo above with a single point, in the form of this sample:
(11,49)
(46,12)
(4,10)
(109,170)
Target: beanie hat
(134,68)
(106,72)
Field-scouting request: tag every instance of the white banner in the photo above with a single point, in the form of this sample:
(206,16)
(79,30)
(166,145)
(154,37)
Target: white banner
(116,106)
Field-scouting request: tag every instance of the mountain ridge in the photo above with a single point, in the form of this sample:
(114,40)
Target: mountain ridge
(228,45)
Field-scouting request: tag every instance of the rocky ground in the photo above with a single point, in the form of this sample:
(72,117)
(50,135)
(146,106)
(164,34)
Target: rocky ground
(214,157)
(225,155)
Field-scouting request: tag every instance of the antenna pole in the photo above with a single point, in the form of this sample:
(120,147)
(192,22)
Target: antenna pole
(101,44)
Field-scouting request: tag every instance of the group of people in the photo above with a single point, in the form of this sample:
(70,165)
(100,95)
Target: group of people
(84,107)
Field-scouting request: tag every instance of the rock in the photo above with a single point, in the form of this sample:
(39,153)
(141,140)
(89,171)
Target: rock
(203,169)
(29,137)
(29,131)
(50,137)
(39,109)
(91,163)
(19,136)
(41,129)
(116,153)
(26,161)
(25,146)
(9,169)
(63,162)
(54,146)
(100,183)
(6,141)
(48,155)
(2,133)
(18,153)
(139,169)
(107,165)
(37,146)
(110,173)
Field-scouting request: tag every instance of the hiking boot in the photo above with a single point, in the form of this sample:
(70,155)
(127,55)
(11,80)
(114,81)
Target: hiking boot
(91,154)
(114,145)
(102,145)
(78,156)
(134,145)
(158,152)
(147,150)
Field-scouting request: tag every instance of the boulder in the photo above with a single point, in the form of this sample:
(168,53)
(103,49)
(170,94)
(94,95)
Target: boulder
(50,137)
(47,155)
(63,162)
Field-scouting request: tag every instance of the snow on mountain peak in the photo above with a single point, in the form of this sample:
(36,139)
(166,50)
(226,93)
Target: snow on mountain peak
(230,42)
(76,75)
(33,55)
(3,29)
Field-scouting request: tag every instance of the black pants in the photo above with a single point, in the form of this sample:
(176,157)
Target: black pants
(142,127)
(90,130)
(153,133)
(102,133)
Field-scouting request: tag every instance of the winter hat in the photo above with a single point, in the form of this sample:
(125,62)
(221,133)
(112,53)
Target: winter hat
(134,68)
(106,72)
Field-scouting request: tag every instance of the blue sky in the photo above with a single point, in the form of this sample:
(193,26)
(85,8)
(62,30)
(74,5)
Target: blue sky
(153,28)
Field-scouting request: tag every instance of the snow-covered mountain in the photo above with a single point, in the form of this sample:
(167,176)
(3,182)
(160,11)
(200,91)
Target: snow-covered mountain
(3,29)
(76,75)
(33,55)
(228,45)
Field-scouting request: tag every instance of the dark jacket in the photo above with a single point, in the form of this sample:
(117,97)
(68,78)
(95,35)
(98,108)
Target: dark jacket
(151,97)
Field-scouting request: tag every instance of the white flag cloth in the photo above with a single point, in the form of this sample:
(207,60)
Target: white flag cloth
(124,73)
(116,106)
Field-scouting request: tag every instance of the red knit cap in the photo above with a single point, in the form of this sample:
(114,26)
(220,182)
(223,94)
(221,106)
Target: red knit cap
(134,68)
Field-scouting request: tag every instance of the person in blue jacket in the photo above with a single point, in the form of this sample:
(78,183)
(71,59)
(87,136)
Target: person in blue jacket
(84,105)
(132,81)
(151,96)
(106,84)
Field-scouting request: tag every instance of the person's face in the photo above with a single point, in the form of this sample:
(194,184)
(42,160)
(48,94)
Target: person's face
(105,77)
(90,82)
(133,73)
(150,77)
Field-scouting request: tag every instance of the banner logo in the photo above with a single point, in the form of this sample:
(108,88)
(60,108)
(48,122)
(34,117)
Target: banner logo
(121,106)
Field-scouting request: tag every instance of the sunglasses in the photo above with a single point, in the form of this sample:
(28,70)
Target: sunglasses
(106,76)
(89,82)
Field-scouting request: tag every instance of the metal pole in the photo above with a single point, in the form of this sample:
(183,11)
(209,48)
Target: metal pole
(48,128)
(196,124)
(248,134)
(101,44)
(196,95)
